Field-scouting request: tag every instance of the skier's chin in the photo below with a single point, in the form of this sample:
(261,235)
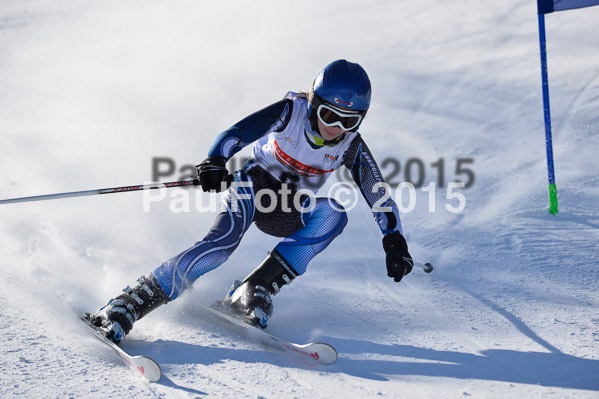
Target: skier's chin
(331,134)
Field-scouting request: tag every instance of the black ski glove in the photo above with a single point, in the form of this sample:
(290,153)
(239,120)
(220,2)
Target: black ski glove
(212,173)
(399,260)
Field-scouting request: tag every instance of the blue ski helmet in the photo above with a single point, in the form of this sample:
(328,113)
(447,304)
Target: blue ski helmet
(342,84)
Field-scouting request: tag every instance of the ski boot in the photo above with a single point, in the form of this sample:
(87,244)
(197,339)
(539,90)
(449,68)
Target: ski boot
(251,299)
(116,319)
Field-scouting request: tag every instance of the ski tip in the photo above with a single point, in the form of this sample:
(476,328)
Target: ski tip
(148,368)
(323,353)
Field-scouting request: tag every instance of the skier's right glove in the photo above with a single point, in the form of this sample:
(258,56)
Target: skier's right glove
(399,261)
(212,173)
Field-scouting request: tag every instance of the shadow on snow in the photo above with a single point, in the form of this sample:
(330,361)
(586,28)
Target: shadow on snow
(539,368)
(550,369)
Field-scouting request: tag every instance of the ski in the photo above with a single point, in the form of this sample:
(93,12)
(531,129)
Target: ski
(143,365)
(315,351)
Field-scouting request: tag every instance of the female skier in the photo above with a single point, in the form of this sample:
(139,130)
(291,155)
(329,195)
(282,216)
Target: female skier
(300,141)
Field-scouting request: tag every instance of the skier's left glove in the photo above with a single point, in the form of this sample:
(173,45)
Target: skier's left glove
(399,261)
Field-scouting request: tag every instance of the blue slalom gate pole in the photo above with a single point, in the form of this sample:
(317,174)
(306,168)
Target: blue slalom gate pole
(547,115)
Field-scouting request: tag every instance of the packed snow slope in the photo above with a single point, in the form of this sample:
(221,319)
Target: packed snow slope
(92,91)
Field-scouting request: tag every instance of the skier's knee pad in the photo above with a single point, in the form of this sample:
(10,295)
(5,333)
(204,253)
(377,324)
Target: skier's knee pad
(327,216)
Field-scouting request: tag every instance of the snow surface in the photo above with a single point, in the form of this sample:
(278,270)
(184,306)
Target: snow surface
(91,91)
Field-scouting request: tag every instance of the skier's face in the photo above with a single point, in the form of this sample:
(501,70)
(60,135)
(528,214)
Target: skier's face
(329,132)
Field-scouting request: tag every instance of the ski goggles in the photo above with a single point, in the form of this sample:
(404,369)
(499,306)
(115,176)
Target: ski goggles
(331,116)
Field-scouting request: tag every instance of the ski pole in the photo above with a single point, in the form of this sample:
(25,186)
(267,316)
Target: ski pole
(113,190)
